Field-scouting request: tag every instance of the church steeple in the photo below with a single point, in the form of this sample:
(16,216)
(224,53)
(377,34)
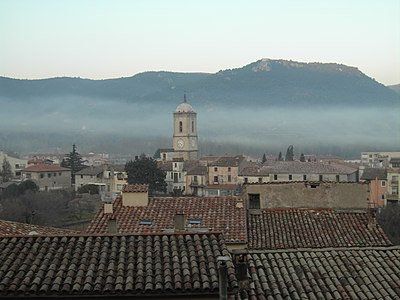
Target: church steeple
(185,131)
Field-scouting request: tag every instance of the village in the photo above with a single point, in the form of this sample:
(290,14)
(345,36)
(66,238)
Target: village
(224,226)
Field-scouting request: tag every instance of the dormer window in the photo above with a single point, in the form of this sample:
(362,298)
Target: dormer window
(146,222)
(195,221)
(180,126)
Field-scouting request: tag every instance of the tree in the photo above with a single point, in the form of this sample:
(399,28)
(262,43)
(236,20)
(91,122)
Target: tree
(264,159)
(280,156)
(145,170)
(289,153)
(73,161)
(302,157)
(91,189)
(6,172)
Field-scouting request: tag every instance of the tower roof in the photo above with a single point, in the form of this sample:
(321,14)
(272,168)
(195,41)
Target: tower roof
(184,107)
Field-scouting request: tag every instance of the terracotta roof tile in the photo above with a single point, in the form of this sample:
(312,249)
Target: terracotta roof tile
(297,167)
(221,214)
(358,273)
(135,188)
(44,168)
(132,265)
(14,228)
(307,228)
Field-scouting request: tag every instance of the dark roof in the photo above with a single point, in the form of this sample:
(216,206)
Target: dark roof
(135,188)
(45,168)
(374,173)
(227,161)
(197,170)
(134,265)
(358,273)
(13,228)
(221,214)
(92,170)
(297,167)
(311,228)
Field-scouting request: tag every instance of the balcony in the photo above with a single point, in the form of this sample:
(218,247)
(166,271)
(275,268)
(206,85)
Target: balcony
(394,182)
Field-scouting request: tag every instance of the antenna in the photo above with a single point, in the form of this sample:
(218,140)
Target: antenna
(184,97)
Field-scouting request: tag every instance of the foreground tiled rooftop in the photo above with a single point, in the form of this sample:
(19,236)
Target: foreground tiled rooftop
(135,188)
(358,273)
(222,214)
(307,228)
(135,265)
(14,228)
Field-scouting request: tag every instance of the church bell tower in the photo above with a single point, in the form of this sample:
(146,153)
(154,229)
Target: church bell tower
(185,132)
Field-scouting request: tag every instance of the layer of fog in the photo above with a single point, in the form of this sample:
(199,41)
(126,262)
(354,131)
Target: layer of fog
(106,125)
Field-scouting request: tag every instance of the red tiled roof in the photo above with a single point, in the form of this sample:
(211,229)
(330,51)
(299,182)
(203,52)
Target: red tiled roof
(107,266)
(15,228)
(44,168)
(341,273)
(220,214)
(135,188)
(307,228)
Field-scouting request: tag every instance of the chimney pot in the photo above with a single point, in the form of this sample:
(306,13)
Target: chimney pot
(179,221)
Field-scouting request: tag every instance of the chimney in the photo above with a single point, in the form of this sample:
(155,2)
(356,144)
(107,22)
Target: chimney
(179,221)
(371,218)
(112,225)
(241,271)
(135,195)
(108,208)
(223,276)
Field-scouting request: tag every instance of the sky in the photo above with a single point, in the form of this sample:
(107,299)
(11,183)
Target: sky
(109,39)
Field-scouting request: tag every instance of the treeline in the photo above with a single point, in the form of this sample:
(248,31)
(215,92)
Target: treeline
(25,203)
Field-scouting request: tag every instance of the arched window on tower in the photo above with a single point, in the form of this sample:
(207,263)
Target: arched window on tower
(192,126)
(180,126)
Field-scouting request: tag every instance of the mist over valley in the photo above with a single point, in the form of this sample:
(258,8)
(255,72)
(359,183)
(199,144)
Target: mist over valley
(262,107)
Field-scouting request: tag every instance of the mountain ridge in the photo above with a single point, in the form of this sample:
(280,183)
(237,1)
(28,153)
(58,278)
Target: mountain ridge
(266,81)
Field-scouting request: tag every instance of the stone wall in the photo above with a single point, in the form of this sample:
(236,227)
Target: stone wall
(310,195)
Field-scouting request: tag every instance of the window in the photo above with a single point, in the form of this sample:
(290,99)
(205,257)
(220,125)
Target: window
(260,180)
(164,156)
(81,176)
(180,175)
(337,178)
(54,174)
(321,178)
(59,174)
(254,201)
(49,175)
(229,169)
(194,178)
(119,187)
(172,175)
(275,177)
(146,222)
(304,177)
(192,126)
(194,221)
(383,183)
(290,177)
(215,169)
(215,179)
(229,178)
(180,126)
(383,196)
(41,175)
(246,180)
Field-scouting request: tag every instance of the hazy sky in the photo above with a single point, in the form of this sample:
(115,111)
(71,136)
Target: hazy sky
(107,39)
